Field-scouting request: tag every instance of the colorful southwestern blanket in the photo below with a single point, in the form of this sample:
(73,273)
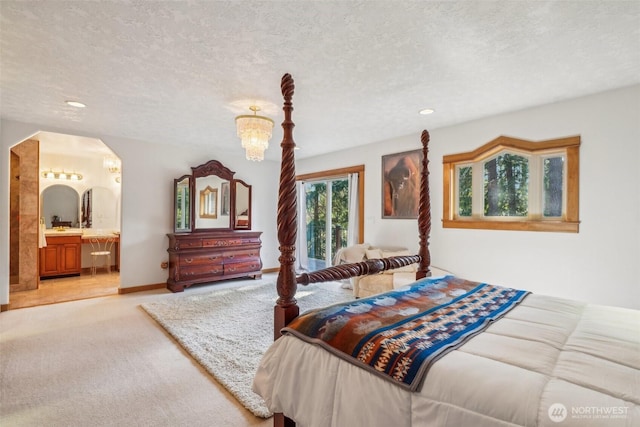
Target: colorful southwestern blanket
(398,335)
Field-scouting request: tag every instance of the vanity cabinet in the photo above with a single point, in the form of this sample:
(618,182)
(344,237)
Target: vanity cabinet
(61,257)
(203,257)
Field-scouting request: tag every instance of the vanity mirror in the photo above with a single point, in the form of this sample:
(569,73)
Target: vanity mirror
(99,209)
(96,207)
(60,206)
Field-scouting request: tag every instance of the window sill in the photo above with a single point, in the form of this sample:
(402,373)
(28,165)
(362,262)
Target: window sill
(553,226)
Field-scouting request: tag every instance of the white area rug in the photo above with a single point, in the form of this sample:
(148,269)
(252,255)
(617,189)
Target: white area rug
(227,331)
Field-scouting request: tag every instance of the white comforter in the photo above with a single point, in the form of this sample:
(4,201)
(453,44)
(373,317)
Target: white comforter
(548,362)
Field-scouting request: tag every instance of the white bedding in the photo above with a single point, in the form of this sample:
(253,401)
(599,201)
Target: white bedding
(548,362)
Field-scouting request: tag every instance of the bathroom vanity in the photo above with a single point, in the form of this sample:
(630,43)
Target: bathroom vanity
(62,256)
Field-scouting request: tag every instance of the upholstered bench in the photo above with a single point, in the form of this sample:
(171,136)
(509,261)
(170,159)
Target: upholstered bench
(365,286)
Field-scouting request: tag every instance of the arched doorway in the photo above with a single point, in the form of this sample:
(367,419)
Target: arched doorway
(66,165)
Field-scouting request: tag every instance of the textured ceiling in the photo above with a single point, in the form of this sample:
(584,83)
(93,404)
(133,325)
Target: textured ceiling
(178,72)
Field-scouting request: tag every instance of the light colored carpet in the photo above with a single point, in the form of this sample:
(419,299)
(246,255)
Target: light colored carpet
(104,362)
(228,331)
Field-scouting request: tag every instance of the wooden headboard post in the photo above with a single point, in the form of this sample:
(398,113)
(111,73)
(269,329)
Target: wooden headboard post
(286,308)
(424,212)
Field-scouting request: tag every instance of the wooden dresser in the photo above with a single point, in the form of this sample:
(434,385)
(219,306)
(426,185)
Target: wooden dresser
(203,257)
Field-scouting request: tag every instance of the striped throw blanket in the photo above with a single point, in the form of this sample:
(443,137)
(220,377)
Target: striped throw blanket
(400,334)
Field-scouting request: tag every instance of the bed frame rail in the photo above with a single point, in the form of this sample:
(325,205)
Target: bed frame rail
(346,271)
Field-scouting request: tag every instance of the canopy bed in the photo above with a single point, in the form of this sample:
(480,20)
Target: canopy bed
(443,351)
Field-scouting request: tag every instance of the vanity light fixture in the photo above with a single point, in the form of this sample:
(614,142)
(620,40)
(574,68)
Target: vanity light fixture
(62,175)
(254,132)
(112,164)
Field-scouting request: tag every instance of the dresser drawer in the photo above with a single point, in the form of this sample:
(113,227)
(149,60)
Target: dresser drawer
(200,259)
(220,243)
(242,267)
(250,255)
(193,272)
(186,244)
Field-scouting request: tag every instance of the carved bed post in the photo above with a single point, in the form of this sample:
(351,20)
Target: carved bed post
(424,213)
(286,308)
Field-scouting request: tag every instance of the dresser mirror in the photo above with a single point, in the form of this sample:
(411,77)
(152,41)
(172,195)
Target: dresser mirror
(211,199)
(208,204)
(242,204)
(182,204)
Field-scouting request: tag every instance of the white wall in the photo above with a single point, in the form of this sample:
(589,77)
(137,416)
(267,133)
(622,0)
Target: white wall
(148,171)
(599,264)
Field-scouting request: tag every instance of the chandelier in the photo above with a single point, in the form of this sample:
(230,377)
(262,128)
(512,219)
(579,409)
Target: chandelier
(255,132)
(112,164)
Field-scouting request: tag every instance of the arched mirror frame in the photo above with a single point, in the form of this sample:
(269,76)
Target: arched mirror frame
(67,198)
(229,203)
(241,205)
(212,167)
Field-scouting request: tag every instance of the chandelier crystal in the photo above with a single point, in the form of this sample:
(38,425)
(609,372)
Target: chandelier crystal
(254,132)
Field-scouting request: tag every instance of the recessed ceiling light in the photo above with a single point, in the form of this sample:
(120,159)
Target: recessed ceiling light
(75,104)
(427,111)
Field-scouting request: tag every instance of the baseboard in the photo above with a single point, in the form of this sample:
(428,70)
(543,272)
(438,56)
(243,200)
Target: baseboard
(4,307)
(164,285)
(141,288)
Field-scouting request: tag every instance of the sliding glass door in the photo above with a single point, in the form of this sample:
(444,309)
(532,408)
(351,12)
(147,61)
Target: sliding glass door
(327,220)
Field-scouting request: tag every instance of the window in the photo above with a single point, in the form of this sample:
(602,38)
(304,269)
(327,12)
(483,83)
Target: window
(513,184)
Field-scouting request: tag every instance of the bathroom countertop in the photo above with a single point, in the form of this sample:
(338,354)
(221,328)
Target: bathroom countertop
(85,233)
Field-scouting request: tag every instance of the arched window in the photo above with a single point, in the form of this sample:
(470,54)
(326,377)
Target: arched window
(513,184)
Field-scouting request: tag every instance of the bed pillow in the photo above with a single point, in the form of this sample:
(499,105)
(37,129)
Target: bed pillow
(354,253)
(387,254)
(406,269)
(373,253)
